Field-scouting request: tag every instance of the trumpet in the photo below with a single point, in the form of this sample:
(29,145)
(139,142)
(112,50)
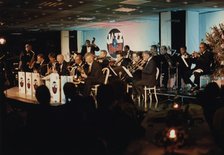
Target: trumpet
(195,55)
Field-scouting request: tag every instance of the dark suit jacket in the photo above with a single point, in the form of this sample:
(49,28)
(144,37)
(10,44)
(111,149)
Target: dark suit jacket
(149,72)
(204,62)
(126,62)
(64,70)
(93,49)
(129,54)
(95,75)
(182,66)
(41,68)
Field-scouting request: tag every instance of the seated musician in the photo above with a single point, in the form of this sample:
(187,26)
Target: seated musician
(102,59)
(51,66)
(148,74)
(136,62)
(184,67)
(92,73)
(203,61)
(77,64)
(62,65)
(40,66)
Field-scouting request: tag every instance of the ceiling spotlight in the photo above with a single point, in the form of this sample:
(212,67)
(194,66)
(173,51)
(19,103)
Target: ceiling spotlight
(1,23)
(70,5)
(108,8)
(81,2)
(185,2)
(168,1)
(215,6)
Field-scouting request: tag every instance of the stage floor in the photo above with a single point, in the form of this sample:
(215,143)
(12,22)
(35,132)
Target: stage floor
(13,93)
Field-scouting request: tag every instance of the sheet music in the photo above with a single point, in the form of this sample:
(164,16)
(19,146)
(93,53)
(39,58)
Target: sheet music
(127,71)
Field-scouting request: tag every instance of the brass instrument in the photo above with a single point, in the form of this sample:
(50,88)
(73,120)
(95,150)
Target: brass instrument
(135,66)
(117,62)
(195,55)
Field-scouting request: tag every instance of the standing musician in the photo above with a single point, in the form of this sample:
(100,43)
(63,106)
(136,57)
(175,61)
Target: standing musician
(92,73)
(127,52)
(26,59)
(40,66)
(184,67)
(102,59)
(203,61)
(89,48)
(148,74)
(166,65)
(62,65)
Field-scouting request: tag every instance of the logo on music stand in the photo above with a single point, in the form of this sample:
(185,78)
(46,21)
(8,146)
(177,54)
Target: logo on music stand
(35,84)
(54,88)
(21,82)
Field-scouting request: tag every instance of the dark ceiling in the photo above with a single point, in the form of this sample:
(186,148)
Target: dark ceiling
(62,14)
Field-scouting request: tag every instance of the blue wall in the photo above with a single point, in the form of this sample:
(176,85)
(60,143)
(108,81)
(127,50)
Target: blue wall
(138,35)
(208,20)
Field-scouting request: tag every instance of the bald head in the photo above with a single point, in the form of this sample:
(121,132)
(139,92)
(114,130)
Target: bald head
(60,58)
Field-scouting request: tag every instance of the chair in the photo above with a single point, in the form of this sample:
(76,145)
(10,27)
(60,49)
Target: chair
(152,90)
(106,72)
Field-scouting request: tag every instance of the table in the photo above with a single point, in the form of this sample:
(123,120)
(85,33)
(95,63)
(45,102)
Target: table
(200,134)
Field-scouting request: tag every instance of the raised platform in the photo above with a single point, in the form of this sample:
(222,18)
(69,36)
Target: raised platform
(173,93)
(13,94)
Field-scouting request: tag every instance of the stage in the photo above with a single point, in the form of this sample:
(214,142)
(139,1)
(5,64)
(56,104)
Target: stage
(14,95)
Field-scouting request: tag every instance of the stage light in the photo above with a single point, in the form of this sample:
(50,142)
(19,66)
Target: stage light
(2,41)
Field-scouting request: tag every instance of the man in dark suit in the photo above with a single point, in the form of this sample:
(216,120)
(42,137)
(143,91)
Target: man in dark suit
(165,65)
(184,67)
(62,65)
(127,52)
(102,59)
(89,48)
(40,65)
(27,58)
(148,74)
(92,73)
(203,61)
